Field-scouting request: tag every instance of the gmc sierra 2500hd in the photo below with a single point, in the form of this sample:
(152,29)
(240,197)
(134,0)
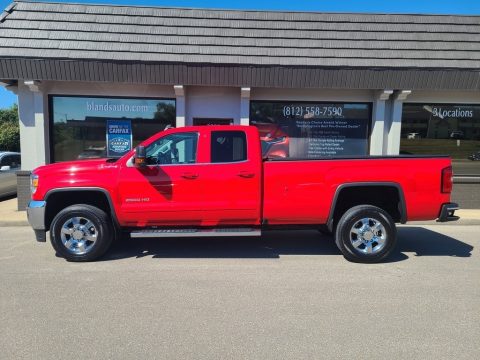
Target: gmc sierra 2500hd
(214,181)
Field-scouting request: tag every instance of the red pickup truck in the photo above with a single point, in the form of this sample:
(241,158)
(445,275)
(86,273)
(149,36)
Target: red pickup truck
(214,181)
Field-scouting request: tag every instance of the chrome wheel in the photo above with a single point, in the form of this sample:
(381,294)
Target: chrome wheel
(78,235)
(368,236)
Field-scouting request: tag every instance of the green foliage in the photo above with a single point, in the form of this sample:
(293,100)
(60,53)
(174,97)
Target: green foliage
(165,113)
(9,115)
(9,129)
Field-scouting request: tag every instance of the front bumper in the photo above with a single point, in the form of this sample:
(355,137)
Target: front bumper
(447,213)
(36,218)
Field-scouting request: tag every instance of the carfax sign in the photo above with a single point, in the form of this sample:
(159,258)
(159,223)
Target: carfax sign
(119,137)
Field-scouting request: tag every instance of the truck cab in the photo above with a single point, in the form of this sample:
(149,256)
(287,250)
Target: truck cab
(205,176)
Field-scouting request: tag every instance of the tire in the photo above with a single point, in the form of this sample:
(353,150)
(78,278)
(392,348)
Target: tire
(366,234)
(81,233)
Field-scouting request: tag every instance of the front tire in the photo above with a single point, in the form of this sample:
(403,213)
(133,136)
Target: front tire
(366,234)
(81,233)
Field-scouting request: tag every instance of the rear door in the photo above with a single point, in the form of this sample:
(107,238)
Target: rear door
(233,184)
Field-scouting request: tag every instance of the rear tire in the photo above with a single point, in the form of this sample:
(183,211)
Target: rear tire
(366,234)
(81,233)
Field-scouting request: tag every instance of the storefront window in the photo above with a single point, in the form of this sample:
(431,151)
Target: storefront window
(443,129)
(79,124)
(311,130)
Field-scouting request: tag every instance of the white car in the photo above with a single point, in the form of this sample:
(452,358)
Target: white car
(9,164)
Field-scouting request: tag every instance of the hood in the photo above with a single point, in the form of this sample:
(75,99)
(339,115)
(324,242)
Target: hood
(84,173)
(73,167)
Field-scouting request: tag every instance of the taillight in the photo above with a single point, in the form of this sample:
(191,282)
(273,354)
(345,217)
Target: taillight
(447,181)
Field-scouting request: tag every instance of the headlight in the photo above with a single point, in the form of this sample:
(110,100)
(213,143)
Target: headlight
(33,183)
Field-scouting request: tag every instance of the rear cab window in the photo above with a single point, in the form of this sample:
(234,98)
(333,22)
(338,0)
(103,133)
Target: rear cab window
(228,146)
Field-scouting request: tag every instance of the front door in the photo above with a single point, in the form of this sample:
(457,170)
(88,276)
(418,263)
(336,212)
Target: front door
(168,190)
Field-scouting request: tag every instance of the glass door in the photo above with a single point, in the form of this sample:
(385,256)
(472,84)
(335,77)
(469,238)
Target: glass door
(212,121)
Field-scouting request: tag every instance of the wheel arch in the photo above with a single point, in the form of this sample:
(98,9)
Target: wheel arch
(398,213)
(56,201)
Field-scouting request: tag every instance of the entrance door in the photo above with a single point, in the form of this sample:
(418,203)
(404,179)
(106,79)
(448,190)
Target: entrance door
(212,121)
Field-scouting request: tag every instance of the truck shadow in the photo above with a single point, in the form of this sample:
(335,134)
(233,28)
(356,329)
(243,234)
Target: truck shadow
(425,242)
(273,244)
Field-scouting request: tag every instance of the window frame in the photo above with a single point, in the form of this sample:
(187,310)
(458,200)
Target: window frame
(4,159)
(432,103)
(229,162)
(173,134)
(51,123)
(438,150)
(369,119)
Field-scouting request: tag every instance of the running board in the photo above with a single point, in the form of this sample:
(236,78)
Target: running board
(162,233)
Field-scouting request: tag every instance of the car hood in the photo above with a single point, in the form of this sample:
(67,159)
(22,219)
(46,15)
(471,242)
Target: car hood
(73,167)
(99,173)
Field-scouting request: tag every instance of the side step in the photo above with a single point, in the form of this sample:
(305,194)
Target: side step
(162,233)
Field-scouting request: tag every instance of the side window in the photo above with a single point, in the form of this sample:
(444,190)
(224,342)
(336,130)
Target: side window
(15,161)
(228,146)
(6,161)
(173,149)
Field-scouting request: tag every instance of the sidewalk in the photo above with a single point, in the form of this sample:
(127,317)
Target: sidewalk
(9,216)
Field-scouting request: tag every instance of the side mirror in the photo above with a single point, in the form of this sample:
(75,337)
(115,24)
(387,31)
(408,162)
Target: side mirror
(140,158)
(5,168)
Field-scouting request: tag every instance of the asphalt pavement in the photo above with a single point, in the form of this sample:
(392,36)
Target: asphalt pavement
(287,295)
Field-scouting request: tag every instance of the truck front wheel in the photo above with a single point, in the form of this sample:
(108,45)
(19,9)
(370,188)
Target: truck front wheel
(81,233)
(366,234)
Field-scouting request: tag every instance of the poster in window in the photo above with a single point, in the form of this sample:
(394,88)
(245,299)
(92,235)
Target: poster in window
(311,130)
(119,137)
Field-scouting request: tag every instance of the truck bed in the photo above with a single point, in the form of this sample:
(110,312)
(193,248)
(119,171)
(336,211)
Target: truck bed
(306,190)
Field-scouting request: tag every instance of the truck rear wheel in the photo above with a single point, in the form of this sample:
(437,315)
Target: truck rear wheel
(366,234)
(81,233)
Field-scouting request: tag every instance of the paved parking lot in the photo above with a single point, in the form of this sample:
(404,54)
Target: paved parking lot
(284,296)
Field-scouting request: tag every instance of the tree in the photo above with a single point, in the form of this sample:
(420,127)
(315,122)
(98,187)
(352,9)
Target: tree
(165,113)
(9,129)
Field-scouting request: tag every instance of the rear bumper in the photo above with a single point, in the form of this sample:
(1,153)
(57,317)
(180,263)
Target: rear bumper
(36,218)
(447,212)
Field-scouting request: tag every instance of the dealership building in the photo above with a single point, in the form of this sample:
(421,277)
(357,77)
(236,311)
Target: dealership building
(334,84)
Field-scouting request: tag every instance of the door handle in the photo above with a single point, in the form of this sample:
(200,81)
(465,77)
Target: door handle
(246,174)
(189,175)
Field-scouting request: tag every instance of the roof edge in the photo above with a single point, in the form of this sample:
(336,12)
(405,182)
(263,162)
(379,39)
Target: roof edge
(7,11)
(240,76)
(244,10)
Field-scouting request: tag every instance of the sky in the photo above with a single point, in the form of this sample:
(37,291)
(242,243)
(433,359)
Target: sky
(462,7)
